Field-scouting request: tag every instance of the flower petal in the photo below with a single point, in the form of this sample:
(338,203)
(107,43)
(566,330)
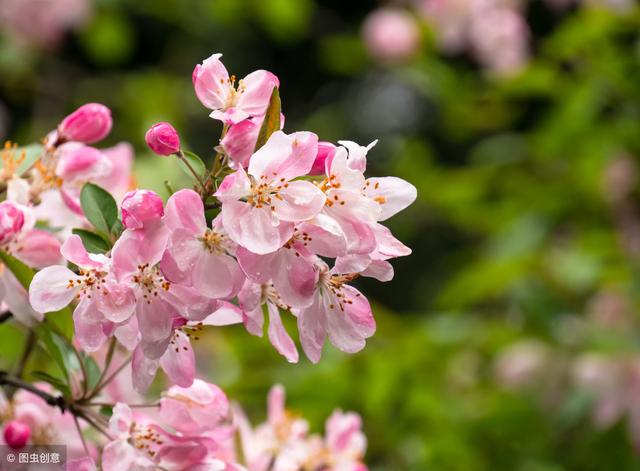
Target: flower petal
(50,288)
(391,193)
(279,337)
(179,362)
(184,210)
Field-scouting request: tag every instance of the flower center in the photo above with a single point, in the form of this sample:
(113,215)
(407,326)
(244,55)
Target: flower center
(328,184)
(264,190)
(150,281)
(89,281)
(333,286)
(144,438)
(214,242)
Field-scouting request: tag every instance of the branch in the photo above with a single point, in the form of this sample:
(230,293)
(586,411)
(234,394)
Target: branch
(53,401)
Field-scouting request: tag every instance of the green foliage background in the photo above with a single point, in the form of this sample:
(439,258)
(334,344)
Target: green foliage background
(527,209)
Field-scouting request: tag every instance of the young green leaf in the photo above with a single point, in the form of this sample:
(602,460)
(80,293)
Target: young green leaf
(92,370)
(271,121)
(99,207)
(31,153)
(93,242)
(195,162)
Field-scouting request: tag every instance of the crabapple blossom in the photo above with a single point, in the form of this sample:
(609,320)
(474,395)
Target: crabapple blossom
(240,141)
(232,103)
(260,207)
(163,139)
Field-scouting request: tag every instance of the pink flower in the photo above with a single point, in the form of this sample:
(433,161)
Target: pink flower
(338,311)
(281,443)
(16,434)
(140,208)
(119,179)
(199,255)
(259,209)
(163,139)
(218,92)
(201,407)
(103,301)
(345,443)
(11,220)
(391,34)
(143,444)
(88,124)
(240,141)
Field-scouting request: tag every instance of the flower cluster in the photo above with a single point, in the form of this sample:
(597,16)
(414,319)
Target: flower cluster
(280,225)
(494,32)
(283,209)
(192,428)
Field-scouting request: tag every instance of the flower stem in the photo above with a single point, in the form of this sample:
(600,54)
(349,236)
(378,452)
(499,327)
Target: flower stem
(181,156)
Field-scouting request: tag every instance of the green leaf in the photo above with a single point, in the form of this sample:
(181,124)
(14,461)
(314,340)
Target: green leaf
(117,228)
(106,410)
(92,370)
(23,273)
(99,207)
(196,163)
(93,242)
(46,336)
(271,121)
(57,383)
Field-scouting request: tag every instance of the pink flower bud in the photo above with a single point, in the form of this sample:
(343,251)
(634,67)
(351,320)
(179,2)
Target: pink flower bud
(326,150)
(16,434)
(391,34)
(89,123)
(163,139)
(141,207)
(11,220)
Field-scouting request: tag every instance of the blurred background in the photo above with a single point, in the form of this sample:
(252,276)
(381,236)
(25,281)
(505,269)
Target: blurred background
(509,340)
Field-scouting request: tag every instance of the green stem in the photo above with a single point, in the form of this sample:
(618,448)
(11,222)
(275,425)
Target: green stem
(181,156)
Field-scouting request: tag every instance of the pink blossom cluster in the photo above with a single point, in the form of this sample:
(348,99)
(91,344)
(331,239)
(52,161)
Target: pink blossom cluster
(494,32)
(285,210)
(280,226)
(194,428)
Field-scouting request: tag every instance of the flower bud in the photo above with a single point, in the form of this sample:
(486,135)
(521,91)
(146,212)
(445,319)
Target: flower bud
(89,123)
(11,220)
(163,139)
(16,434)
(141,207)
(326,150)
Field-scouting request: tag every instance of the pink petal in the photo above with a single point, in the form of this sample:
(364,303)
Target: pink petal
(155,320)
(326,237)
(349,326)
(301,201)
(312,329)
(214,275)
(74,251)
(184,210)
(294,278)
(380,270)
(118,179)
(88,322)
(279,337)
(285,156)
(259,268)
(185,249)
(234,186)
(226,314)
(179,362)
(49,290)
(276,404)
(143,370)
(391,193)
(258,86)
(39,249)
(117,302)
(254,228)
